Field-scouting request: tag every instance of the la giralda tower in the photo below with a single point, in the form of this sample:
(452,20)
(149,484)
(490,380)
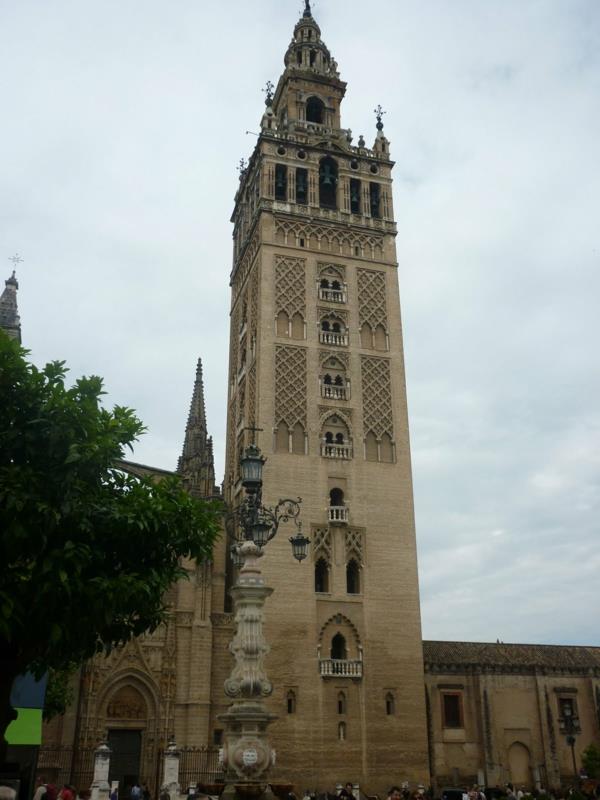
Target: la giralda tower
(316,364)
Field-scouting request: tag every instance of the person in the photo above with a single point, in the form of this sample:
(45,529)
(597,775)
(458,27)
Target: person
(346,793)
(8,793)
(520,793)
(136,791)
(66,793)
(40,788)
(465,793)
(395,793)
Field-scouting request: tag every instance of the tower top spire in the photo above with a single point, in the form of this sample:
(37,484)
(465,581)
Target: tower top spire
(9,312)
(307,11)
(196,464)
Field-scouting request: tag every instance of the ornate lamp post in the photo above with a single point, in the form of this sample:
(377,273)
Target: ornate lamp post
(247,754)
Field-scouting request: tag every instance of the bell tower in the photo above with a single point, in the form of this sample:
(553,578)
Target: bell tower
(316,374)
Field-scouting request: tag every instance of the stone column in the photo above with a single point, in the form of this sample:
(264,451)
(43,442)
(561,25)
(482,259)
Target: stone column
(247,754)
(100,786)
(170,781)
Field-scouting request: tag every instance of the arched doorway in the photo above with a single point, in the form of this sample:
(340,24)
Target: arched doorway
(126,718)
(519,764)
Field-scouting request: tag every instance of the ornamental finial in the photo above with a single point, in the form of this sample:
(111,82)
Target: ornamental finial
(379,112)
(268,90)
(242,167)
(307,11)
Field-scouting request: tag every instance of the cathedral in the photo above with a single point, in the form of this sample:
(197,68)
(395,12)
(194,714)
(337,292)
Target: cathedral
(316,379)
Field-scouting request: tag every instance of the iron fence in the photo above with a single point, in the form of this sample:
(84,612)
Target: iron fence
(62,764)
(199,765)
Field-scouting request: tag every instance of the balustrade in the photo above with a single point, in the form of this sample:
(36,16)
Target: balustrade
(333,338)
(330,450)
(336,668)
(338,513)
(332,392)
(332,295)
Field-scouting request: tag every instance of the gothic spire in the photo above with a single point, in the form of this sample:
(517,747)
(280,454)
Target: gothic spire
(196,464)
(9,312)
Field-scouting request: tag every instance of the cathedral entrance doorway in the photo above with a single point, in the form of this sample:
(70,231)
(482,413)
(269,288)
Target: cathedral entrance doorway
(126,751)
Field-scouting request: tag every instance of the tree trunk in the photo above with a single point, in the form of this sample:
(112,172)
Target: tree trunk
(9,670)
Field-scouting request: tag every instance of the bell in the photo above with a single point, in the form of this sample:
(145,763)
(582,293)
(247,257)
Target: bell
(327,177)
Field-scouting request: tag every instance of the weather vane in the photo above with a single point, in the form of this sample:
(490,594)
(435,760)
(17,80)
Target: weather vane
(307,11)
(379,112)
(16,260)
(268,90)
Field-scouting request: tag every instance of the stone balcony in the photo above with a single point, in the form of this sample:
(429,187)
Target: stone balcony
(333,338)
(332,392)
(337,668)
(332,295)
(342,451)
(339,514)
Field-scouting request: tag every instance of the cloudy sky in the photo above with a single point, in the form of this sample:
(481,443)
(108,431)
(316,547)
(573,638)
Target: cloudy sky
(123,122)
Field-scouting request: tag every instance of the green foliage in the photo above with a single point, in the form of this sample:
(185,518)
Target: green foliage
(87,552)
(590,760)
(59,691)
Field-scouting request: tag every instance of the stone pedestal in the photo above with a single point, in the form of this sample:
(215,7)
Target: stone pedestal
(170,781)
(100,786)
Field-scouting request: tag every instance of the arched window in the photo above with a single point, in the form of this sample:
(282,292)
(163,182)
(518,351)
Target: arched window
(283,324)
(342,731)
(301,186)
(355,198)
(321,576)
(324,283)
(339,381)
(336,285)
(329,437)
(341,703)
(339,438)
(366,336)
(327,380)
(313,54)
(291,702)
(387,449)
(380,338)
(297,326)
(390,704)
(325,325)
(328,175)
(315,109)
(338,648)
(336,328)
(371,449)
(336,497)
(352,577)
(280,182)
(375,199)
(282,438)
(298,440)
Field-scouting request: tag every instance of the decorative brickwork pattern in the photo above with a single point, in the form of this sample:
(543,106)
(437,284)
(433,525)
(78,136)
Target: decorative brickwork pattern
(377,396)
(290,285)
(329,238)
(342,357)
(290,385)
(354,545)
(253,292)
(328,268)
(243,265)
(321,544)
(252,397)
(371,298)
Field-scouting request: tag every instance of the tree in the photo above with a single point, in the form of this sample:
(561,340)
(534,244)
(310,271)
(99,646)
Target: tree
(590,760)
(86,550)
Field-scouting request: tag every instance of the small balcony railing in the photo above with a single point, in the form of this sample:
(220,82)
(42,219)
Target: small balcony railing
(338,513)
(331,337)
(332,392)
(332,295)
(343,451)
(336,668)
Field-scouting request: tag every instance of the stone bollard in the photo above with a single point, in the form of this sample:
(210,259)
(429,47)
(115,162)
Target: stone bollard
(170,783)
(100,786)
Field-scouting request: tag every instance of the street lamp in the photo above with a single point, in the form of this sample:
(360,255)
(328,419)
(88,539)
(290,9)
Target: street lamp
(246,753)
(571,729)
